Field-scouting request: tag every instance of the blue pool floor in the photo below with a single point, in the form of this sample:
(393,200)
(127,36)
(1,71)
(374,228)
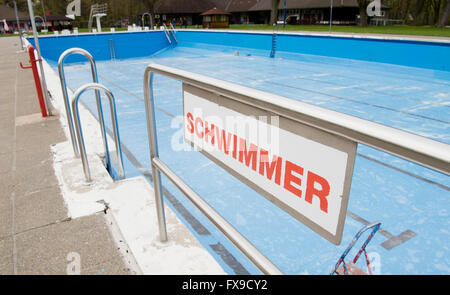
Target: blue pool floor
(403,196)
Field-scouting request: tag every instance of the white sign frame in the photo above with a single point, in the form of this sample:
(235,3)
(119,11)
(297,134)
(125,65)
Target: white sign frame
(332,146)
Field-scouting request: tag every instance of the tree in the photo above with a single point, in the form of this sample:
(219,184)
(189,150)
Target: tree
(363,12)
(445,14)
(274,11)
(418,12)
(150,5)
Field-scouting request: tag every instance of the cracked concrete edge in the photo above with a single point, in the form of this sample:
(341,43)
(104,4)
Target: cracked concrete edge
(125,251)
(123,248)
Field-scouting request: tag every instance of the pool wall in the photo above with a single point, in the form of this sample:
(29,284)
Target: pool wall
(126,45)
(421,54)
(429,55)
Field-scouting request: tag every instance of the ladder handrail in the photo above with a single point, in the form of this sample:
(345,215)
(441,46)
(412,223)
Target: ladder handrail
(97,87)
(167,34)
(274,40)
(172,30)
(112,50)
(245,246)
(62,79)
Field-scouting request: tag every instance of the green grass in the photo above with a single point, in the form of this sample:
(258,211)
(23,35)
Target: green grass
(397,29)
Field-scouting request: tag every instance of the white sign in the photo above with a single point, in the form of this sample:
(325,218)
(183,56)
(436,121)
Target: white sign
(304,177)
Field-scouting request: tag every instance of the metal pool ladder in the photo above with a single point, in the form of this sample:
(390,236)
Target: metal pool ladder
(170,32)
(97,87)
(274,40)
(67,105)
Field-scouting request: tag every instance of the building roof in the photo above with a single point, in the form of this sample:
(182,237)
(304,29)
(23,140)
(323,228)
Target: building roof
(57,17)
(215,11)
(263,5)
(9,14)
(199,6)
(187,6)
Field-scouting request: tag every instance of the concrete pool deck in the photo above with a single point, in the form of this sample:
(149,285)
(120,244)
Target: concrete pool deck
(36,234)
(50,216)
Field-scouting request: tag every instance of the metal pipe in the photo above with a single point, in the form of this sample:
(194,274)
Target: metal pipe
(112,50)
(173,32)
(37,80)
(43,20)
(331,13)
(153,148)
(18,24)
(424,151)
(39,58)
(412,147)
(82,148)
(165,32)
(245,246)
(264,264)
(62,79)
(151,19)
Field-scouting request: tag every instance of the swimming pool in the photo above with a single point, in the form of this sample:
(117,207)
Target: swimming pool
(402,84)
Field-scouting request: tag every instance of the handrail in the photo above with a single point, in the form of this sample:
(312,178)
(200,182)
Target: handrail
(166,33)
(412,147)
(418,149)
(62,79)
(172,30)
(262,262)
(97,87)
(112,50)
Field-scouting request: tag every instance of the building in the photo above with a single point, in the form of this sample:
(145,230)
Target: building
(166,10)
(7,13)
(297,11)
(48,22)
(345,12)
(215,18)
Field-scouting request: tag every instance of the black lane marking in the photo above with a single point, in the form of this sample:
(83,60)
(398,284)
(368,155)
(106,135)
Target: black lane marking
(229,259)
(405,172)
(392,241)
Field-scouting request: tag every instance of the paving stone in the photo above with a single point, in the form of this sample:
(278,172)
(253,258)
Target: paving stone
(45,250)
(6,217)
(30,197)
(6,161)
(34,178)
(39,209)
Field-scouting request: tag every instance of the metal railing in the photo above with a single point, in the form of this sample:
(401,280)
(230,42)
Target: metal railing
(274,40)
(172,30)
(412,147)
(262,262)
(169,32)
(112,49)
(62,79)
(97,87)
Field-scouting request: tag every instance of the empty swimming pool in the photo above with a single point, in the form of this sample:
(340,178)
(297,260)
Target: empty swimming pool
(402,84)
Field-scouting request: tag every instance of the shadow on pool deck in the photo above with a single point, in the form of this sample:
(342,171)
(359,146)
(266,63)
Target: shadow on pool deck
(36,234)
